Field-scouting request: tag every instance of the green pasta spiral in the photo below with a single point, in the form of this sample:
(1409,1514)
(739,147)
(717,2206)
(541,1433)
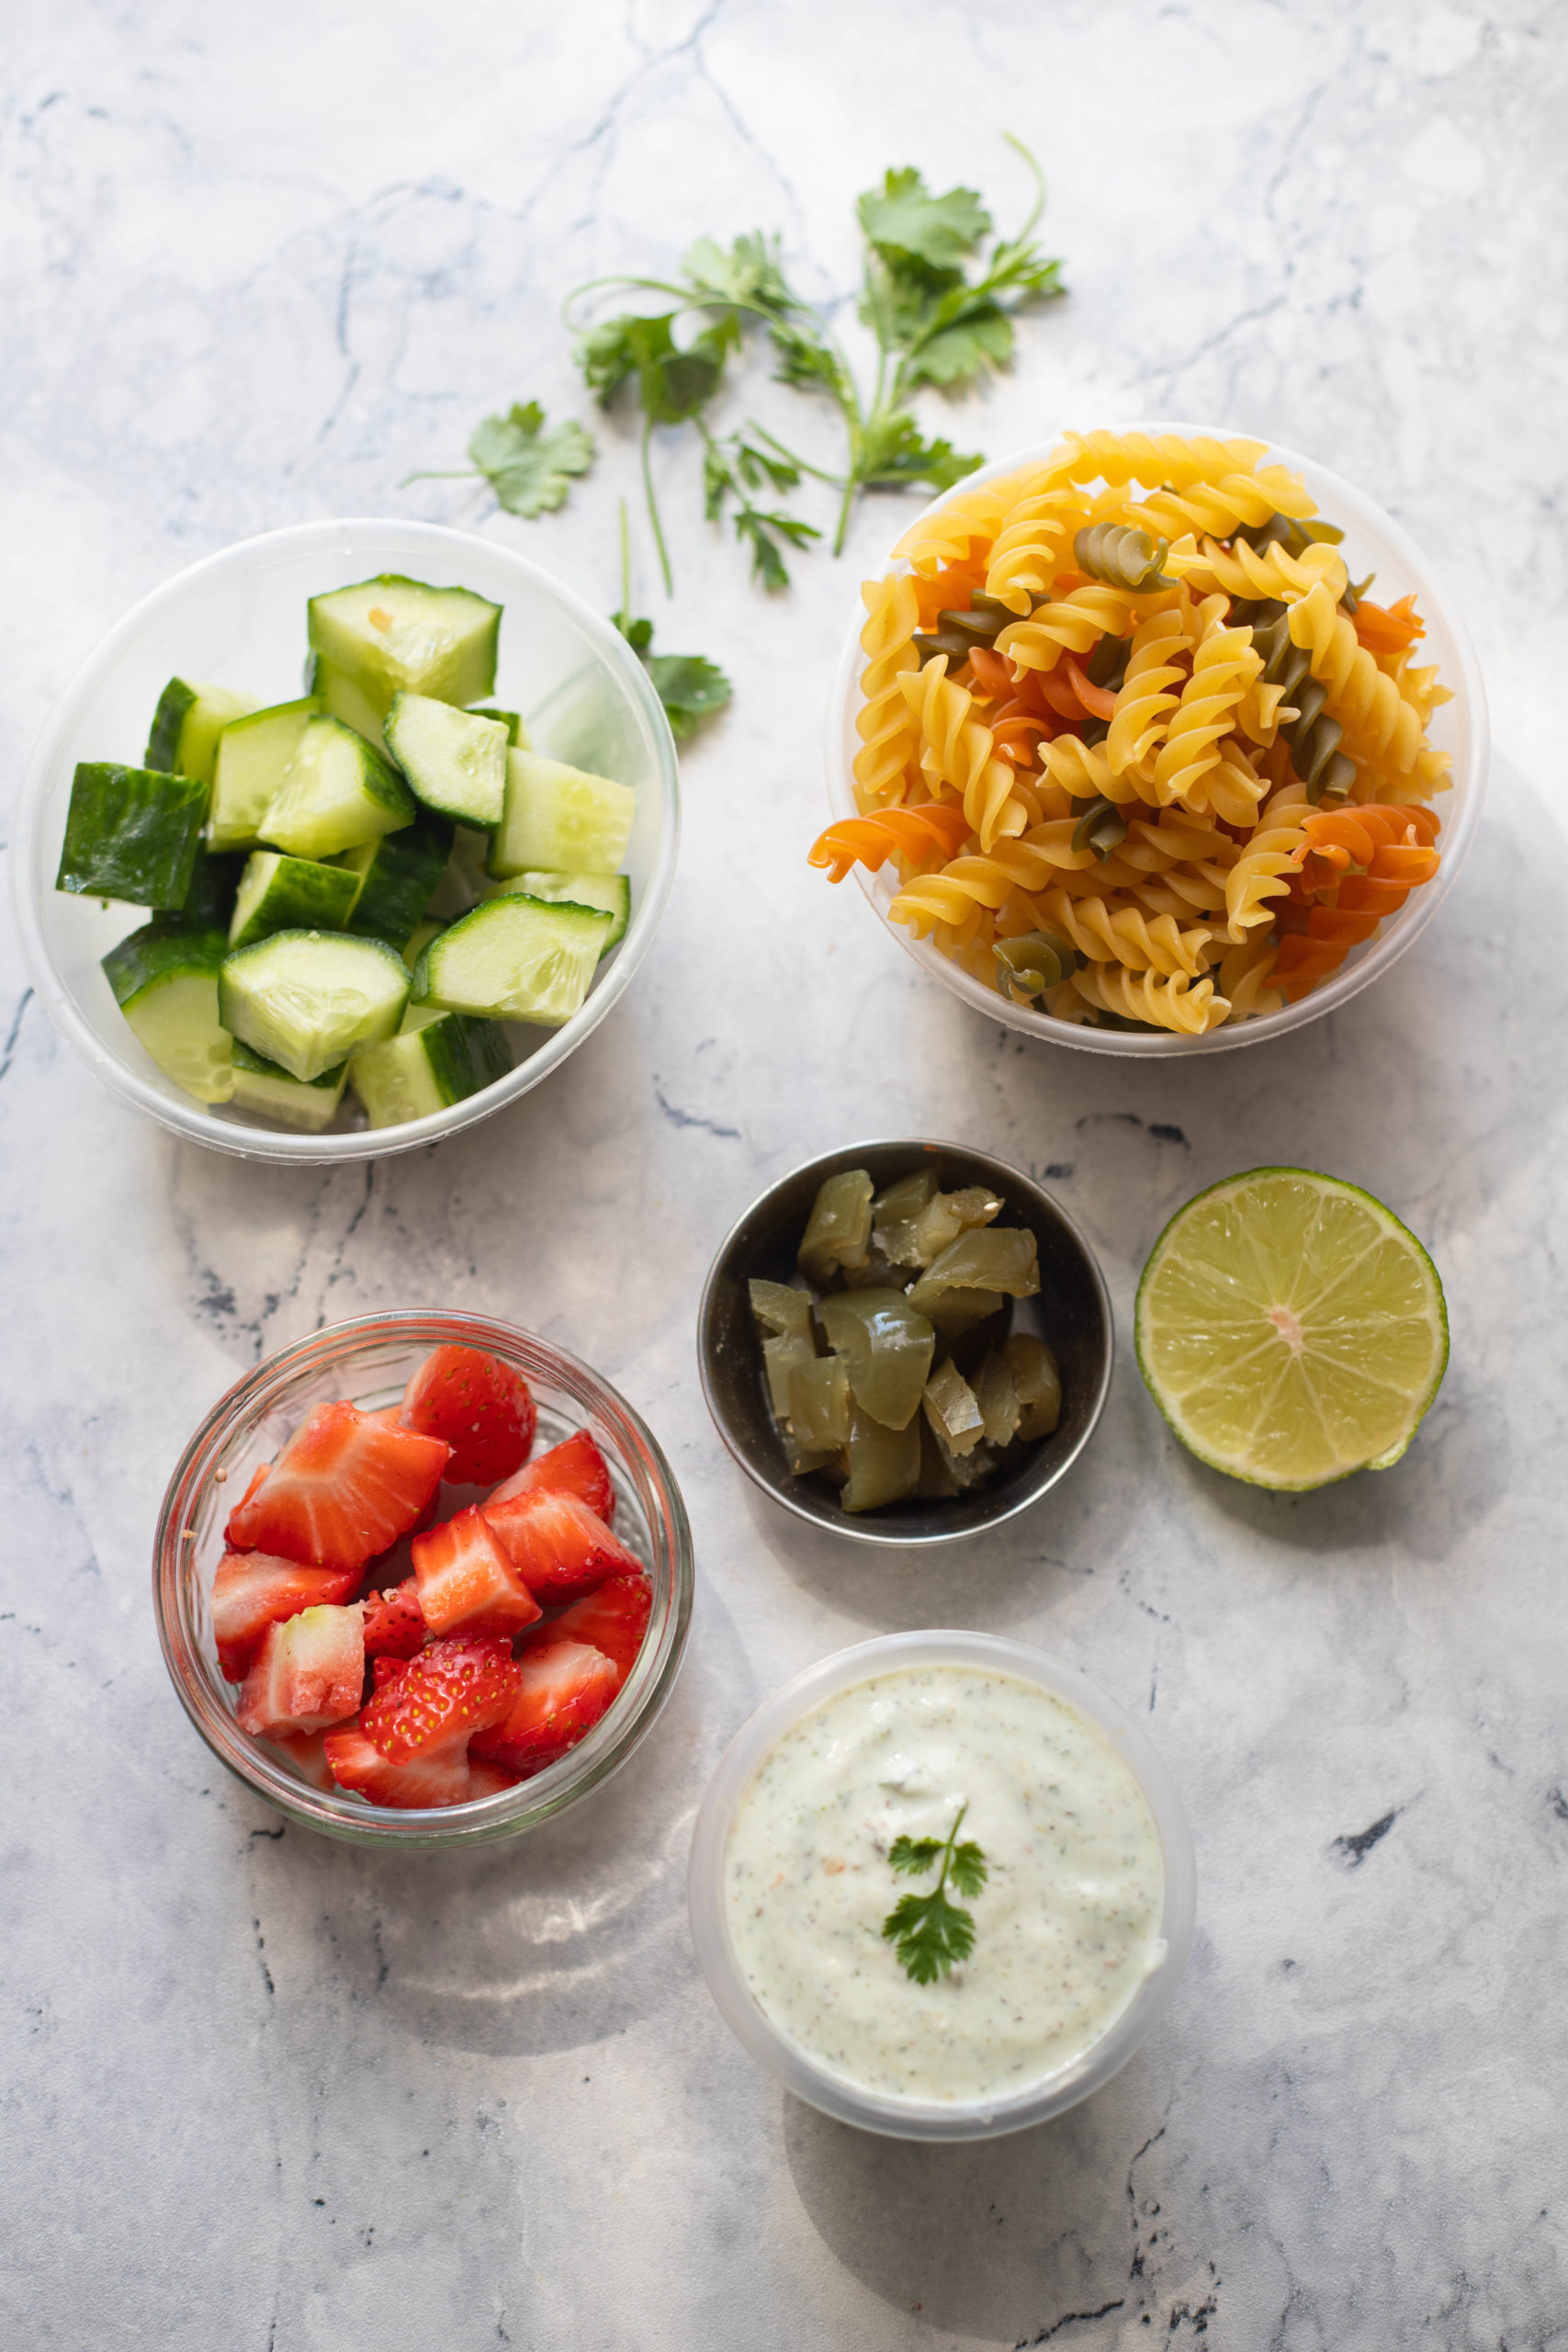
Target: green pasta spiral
(1032,962)
(1314,738)
(1102,828)
(1122,557)
(957,634)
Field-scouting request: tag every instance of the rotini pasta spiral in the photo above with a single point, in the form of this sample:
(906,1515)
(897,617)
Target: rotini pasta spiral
(1190,1007)
(956,750)
(890,737)
(1199,773)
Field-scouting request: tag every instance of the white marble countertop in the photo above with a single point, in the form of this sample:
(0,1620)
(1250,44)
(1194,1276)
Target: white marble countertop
(265,2091)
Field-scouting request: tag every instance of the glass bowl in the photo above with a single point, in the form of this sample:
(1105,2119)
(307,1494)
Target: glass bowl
(368,1361)
(238,618)
(1072,1314)
(1373,542)
(918,2119)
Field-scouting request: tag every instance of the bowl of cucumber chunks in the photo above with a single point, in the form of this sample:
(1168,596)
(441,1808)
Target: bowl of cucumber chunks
(344,838)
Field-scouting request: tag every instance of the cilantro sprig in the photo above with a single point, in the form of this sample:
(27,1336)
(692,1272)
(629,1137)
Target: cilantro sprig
(929,1934)
(530,470)
(939,307)
(690,686)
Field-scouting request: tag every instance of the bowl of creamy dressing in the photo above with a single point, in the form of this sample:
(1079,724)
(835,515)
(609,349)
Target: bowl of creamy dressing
(1078,1931)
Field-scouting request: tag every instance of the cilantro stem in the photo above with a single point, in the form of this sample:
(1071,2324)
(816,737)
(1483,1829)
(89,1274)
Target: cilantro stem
(794,458)
(625,562)
(1038,176)
(653,509)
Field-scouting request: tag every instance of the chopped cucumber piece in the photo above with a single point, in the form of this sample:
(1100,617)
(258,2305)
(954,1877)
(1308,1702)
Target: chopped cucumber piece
(309,999)
(267,1089)
(281,893)
(390,634)
(253,758)
(165,978)
(336,792)
(187,725)
(209,901)
(345,700)
(420,940)
(432,1063)
(396,876)
(611,893)
(513,959)
(454,760)
(131,833)
(559,819)
(517,733)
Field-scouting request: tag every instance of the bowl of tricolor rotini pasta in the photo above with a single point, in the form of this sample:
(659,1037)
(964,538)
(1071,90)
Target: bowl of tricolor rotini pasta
(1156,740)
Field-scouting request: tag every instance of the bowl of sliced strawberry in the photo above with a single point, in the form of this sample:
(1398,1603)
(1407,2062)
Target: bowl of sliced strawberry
(423,1580)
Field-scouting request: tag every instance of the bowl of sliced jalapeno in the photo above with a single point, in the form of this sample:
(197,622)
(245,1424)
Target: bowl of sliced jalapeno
(906,1342)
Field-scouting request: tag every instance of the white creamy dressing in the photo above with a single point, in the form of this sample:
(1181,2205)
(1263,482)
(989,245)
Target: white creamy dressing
(1066,1929)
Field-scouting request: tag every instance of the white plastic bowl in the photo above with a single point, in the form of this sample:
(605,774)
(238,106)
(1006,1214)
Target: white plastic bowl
(920,2119)
(1373,542)
(237,619)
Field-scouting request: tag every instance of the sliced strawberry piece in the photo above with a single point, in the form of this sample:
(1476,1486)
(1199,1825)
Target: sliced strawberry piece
(307,1752)
(394,1621)
(453,1688)
(614,1620)
(386,1669)
(356,1763)
(479,1405)
(344,1488)
(255,1589)
(466,1581)
(575,1466)
(486,1780)
(257,1474)
(309,1672)
(559,1547)
(564,1690)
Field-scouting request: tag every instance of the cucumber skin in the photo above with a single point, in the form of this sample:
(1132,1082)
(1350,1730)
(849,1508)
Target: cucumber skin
(157,952)
(164,738)
(131,833)
(228,827)
(214,886)
(309,1105)
(379,783)
(404,869)
(308,895)
(577,891)
(517,733)
(460,1054)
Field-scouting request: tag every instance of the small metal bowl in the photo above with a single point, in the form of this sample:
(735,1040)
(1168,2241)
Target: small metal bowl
(1074,1318)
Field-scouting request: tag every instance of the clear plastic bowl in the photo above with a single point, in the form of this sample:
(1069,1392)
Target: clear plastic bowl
(916,2118)
(368,1361)
(1373,542)
(237,619)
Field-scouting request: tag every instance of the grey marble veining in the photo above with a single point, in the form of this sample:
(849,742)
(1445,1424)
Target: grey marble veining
(265,2092)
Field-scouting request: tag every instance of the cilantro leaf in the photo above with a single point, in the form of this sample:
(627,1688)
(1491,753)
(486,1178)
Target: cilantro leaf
(747,273)
(894,454)
(529,469)
(905,222)
(915,1855)
(763,533)
(690,688)
(931,1935)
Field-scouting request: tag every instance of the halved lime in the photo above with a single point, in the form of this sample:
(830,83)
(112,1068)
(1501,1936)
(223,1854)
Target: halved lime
(1290,1329)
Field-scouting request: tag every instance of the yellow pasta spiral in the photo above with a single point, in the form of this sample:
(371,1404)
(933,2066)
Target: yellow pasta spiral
(1378,721)
(1134,457)
(944,536)
(956,750)
(1189,1007)
(1240,570)
(1144,701)
(1071,624)
(1243,978)
(1034,543)
(1117,930)
(1223,668)
(1083,770)
(1219,504)
(950,896)
(1255,878)
(889,731)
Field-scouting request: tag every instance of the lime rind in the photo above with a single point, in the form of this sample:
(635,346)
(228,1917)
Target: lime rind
(1228,1265)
